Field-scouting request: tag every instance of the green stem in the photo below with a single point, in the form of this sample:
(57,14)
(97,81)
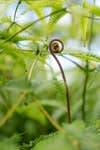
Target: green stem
(19,2)
(87,71)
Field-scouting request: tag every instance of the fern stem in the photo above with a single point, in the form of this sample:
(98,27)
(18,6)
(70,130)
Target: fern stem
(87,70)
(84,92)
(12,110)
(66,87)
(19,2)
(32,67)
(75,63)
(53,122)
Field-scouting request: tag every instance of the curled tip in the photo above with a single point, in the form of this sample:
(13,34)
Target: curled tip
(56,46)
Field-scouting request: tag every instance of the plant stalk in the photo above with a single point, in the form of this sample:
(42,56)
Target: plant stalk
(66,88)
(87,70)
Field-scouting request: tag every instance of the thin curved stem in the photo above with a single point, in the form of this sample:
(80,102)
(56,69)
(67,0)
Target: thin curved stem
(87,70)
(32,67)
(11,111)
(53,122)
(84,93)
(66,88)
(19,2)
(78,65)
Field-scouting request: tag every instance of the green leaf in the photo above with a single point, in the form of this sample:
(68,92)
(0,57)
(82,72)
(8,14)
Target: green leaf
(93,9)
(84,24)
(53,20)
(85,57)
(56,141)
(33,112)
(75,137)
(44,3)
(19,84)
(10,143)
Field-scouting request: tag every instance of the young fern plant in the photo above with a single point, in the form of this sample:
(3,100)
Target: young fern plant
(57,46)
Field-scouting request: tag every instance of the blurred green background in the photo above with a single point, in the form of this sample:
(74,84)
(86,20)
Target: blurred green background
(30,79)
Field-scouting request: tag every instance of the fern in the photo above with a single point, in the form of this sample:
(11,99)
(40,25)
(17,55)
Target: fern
(83,56)
(53,20)
(93,9)
(20,46)
(59,88)
(84,24)
(73,138)
(44,3)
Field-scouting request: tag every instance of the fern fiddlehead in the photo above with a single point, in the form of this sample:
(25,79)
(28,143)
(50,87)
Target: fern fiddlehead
(57,46)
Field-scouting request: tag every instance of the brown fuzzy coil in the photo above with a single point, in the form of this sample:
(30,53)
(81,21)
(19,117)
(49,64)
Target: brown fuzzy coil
(56,46)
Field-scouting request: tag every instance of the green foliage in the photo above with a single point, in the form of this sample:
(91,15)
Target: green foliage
(33,112)
(53,20)
(75,137)
(85,57)
(84,24)
(94,9)
(44,3)
(32,92)
(10,143)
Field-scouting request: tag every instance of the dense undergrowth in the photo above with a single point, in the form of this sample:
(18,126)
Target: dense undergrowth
(33,113)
